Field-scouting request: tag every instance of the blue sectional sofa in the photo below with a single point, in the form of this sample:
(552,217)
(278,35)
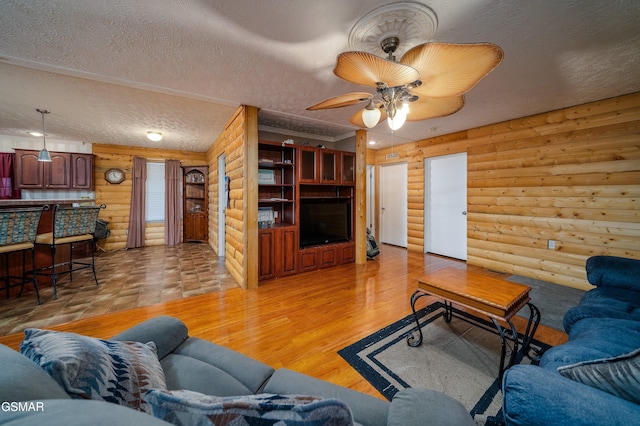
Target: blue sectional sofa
(594,378)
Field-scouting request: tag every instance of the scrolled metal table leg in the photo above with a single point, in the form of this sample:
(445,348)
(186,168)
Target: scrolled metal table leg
(503,341)
(448,311)
(411,338)
(532,326)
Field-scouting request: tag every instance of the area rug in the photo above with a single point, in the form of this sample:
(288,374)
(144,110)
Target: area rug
(459,358)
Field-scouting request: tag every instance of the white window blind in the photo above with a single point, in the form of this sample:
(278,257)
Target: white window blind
(155,192)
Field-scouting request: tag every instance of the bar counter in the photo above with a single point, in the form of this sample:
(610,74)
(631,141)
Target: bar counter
(43,253)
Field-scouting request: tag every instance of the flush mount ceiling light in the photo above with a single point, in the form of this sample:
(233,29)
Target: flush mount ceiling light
(154,136)
(430,79)
(44,154)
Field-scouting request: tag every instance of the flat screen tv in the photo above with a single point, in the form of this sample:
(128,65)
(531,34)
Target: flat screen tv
(324,221)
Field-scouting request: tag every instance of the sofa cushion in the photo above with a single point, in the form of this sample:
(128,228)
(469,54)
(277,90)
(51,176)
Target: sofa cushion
(184,372)
(425,407)
(252,374)
(186,408)
(166,332)
(618,376)
(594,338)
(90,368)
(55,412)
(22,380)
(533,396)
(612,271)
(366,409)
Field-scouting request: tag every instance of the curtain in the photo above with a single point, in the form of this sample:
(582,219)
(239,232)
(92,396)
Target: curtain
(7,177)
(137,220)
(172,175)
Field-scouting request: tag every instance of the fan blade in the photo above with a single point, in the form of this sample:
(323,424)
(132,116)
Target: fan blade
(368,70)
(448,69)
(342,101)
(356,119)
(427,107)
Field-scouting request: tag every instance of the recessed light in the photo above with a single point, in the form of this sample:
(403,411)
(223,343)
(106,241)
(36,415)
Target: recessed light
(372,142)
(37,134)
(154,136)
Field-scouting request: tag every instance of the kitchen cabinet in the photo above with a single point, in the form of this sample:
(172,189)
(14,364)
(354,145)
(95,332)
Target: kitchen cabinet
(65,171)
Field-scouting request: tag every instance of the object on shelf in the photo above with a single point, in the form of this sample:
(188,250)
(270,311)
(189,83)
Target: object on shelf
(266,177)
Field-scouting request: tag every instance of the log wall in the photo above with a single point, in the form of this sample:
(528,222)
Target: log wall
(233,143)
(118,197)
(571,175)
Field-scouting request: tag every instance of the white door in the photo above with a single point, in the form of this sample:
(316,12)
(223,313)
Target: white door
(393,204)
(222,205)
(446,205)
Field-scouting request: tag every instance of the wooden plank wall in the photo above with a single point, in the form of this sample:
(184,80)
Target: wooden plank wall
(231,143)
(571,175)
(118,197)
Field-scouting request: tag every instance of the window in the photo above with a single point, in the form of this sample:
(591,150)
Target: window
(155,192)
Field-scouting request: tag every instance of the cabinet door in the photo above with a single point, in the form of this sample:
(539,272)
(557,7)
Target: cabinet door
(329,166)
(348,168)
(348,253)
(82,171)
(28,170)
(308,260)
(328,256)
(266,254)
(289,247)
(57,173)
(308,165)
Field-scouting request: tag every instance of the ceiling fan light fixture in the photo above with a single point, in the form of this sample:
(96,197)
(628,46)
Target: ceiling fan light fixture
(397,121)
(371,115)
(154,136)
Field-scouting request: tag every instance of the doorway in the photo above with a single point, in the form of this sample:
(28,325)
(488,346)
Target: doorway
(393,204)
(446,205)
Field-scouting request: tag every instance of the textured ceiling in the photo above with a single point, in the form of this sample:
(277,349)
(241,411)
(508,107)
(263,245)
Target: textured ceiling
(111,71)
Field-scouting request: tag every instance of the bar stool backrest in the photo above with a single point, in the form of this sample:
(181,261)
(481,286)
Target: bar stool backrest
(19,225)
(72,221)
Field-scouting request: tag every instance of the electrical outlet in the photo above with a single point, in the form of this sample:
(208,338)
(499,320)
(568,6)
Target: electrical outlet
(551,244)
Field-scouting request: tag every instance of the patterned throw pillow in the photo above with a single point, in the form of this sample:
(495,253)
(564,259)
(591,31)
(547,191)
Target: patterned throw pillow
(187,408)
(90,368)
(618,376)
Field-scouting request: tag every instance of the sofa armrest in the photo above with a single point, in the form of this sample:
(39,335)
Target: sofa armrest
(166,332)
(612,271)
(424,407)
(535,396)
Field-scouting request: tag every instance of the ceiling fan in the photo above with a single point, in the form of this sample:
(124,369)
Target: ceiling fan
(430,79)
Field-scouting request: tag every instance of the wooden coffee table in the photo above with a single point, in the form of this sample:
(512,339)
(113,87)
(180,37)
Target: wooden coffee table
(498,299)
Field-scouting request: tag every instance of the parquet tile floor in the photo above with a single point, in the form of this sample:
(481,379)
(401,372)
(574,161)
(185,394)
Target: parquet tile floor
(128,279)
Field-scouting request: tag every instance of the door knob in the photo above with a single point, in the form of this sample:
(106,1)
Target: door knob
(464,213)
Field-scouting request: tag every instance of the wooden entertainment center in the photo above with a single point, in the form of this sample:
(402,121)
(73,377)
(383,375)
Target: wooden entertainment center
(294,179)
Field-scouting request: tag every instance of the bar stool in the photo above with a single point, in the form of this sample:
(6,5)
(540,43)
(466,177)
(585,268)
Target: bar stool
(70,225)
(18,229)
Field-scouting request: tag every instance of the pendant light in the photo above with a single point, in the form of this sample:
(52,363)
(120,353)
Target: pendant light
(44,154)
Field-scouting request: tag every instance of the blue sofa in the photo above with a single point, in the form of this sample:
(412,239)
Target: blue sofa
(594,378)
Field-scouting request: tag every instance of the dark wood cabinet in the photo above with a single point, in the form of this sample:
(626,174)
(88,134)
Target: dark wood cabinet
(195,198)
(82,171)
(65,171)
(278,252)
(348,168)
(292,181)
(57,173)
(308,165)
(329,166)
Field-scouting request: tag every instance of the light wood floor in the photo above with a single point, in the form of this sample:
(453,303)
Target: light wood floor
(299,322)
